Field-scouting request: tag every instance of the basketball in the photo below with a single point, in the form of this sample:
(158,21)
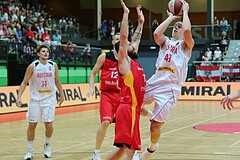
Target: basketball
(175,7)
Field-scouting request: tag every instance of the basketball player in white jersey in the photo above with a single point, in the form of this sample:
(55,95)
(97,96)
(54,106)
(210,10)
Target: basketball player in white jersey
(42,76)
(164,87)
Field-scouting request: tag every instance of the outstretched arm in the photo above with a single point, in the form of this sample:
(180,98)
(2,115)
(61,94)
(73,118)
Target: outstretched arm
(138,32)
(187,35)
(158,34)
(123,59)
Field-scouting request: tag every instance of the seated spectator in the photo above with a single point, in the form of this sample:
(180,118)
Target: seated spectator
(224,42)
(205,59)
(57,38)
(37,40)
(217,55)
(68,51)
(87,55)
(3,30)
(29,34)
(209,54)
(12,32)
(225,51)
(46,38)
(19,32)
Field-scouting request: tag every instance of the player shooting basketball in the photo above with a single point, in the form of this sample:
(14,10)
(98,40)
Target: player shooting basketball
(164,87)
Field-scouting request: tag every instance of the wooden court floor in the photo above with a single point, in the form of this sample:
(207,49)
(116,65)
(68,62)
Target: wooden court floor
(74,135)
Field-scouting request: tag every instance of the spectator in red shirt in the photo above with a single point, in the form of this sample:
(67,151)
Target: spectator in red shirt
(46,38)
(29,33)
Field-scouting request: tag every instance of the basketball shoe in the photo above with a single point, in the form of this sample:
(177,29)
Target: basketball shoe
(96,156)
(28,155)
(47,150)
(135,156)
(147,153)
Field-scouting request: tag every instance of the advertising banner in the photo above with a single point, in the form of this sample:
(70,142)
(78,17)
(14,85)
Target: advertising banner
(75,94)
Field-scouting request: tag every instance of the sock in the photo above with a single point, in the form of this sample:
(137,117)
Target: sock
(153,146)
(30,145)
(47,140)
(149,114)
(97,151)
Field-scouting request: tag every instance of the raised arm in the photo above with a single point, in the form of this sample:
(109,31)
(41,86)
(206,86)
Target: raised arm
(158,34)
(138,32)
(187,35)
(123,59)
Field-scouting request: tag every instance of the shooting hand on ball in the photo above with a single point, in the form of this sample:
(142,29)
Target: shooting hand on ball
(171,15)
(185,6)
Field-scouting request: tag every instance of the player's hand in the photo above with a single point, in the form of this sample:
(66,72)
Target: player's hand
(185,6)
(90,92)
(226,102)
(141,18)
(173,16)
(19,102)
(125,9)
(60,101)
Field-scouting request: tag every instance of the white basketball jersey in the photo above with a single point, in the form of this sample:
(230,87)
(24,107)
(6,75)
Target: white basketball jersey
(171,64)
(42,83)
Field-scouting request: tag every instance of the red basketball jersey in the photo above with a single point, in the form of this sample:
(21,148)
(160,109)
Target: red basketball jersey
(128,112)
(109,74)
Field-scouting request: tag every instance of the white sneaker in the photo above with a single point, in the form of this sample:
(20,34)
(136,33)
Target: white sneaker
(47,150)
(28,155)
(135,156)
(147,153)
(96,156)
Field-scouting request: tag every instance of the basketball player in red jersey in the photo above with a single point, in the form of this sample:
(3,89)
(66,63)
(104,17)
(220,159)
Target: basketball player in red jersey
(109,99)
(110,84)
(127,133)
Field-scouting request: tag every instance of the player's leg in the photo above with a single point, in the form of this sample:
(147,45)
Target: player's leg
(32,116)
(107,113)
(101,134)
(117,154)
(128,154)
(48,113)
(48,136)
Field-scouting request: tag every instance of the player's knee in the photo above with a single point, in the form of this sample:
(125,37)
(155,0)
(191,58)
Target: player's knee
(48,124)
(105,124)
(155,126)
(32,126)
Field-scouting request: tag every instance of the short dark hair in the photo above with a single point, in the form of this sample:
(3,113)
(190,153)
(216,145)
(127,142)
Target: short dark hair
(43,46)
(116,46)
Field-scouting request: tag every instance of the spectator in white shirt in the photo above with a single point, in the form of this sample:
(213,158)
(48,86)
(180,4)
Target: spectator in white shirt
(217,54)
